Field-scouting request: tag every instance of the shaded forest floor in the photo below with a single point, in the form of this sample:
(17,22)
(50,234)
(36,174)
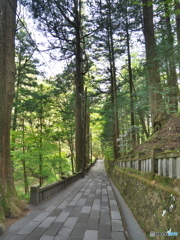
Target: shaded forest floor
(167,138)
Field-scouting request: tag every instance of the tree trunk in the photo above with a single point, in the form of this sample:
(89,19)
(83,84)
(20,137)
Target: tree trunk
(91,146)
(156,102)
(26,184)
(71,147)
(79,84)
(172,79)
(177,9)
(79,109)
(88,147)
(60,160)
(41,121)
(133,136)
(113,84)
(143,124)
(10,202)
(84,106)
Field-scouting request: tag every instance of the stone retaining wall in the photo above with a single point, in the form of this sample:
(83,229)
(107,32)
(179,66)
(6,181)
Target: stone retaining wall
(154,201)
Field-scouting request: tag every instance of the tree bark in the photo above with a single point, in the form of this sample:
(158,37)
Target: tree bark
(88,147)
(133,136)
(79,85)
(26,184)
(156,102)
(177,9)
(113,83)
(79,109)
(10,202)
(172,79)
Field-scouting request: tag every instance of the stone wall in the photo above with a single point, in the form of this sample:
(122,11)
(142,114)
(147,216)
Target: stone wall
(39,194)
(154,200)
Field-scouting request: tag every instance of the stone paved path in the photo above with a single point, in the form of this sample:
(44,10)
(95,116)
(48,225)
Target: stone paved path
(86,211)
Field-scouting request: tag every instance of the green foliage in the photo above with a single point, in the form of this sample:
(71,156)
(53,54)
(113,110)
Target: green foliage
(43,122)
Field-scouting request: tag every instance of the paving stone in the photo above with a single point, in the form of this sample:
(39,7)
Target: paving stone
(86,209)
(47,222)
(82,189)
(56,213)
(115,215)
(36,234)
(114,207)
(89,202)
(93,224)
(117,226)
(83,217)
(70,222)
(64,233)
(111,195)
(68,209)
(118,236)
(41,217)
(73,203)
(94,214)
(75,238)
(81,202)
(75,211)
(92,195)
(53,229)
(18,237)
(105,209)
(90,234)
(62,217)
(63,205)
(109,188)
(104,218)
(28,228)
(104,191)
(78,230)
(98,195)
(50,208)
(104,199)
(105,231)
(96,206)
(78,196)
(87,192)
(44,237)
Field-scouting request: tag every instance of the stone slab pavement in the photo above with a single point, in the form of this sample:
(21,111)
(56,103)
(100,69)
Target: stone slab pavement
(88,209)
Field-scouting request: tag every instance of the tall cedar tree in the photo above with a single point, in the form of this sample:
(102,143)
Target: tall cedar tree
(177,12)
(156,102)
(10,202)
(172,78)
(64,21)
(113,78)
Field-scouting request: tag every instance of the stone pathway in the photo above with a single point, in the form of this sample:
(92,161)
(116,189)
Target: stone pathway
(86,210)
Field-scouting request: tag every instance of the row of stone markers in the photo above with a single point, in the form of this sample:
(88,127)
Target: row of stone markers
(164,164)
